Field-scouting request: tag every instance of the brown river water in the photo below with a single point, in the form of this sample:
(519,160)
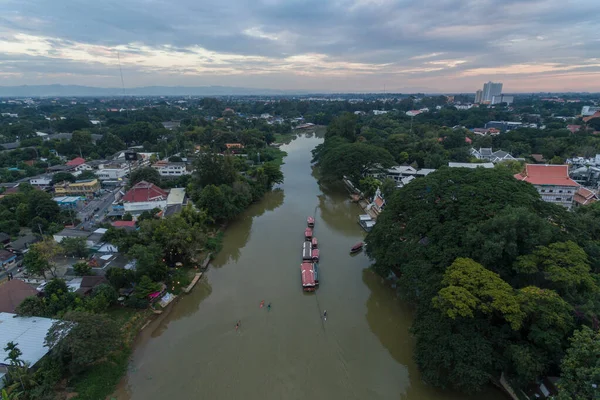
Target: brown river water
(362,351)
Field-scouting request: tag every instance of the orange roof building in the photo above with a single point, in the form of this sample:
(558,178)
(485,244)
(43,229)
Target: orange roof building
(584,196)
(591,117)
(552,183)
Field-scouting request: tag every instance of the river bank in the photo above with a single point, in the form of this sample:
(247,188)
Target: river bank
(364,350)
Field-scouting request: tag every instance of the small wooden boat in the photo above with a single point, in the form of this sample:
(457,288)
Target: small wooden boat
(315,255)
(315,243)
(308,234)
(357,247)
(310,221)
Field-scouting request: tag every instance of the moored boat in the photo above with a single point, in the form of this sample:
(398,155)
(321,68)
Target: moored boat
(308,277)
(315,255)
(315,243)
(307,251)
(310,221)
(316,271)
(308,234)
(357,247)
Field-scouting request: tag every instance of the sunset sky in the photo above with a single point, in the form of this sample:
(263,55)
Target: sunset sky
(317,45)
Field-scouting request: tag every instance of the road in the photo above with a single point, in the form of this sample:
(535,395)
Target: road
(99,206)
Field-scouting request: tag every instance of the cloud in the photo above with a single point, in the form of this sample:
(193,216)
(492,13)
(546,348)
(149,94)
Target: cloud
(446,45)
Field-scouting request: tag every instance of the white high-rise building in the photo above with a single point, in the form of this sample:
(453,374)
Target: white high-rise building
(478,96)
(490,90)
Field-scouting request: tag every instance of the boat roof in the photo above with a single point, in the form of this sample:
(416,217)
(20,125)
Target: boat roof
(310,219)
(308,274)
(315,252)
(308,231)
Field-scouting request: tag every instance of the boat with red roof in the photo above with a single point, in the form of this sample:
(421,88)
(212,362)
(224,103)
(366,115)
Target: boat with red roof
(357,247)
(308,277)
(315,255)
(310,221)
(308,234)
(315,242)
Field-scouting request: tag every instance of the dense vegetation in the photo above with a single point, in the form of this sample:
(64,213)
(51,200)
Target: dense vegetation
(495,274)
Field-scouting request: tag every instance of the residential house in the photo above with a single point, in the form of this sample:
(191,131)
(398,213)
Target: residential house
(552,182)
(4,239)
(12,293)
(587,111)
(171,169)
(76,162)
(584,196)
(92,239)
(126,225)
(21,245)
(175,201)
(486,153)
(591,117)
(41,180)
(7,259)
(170,125)
(29,332)
(574,128)
(144,196)
(112,171)
(86,284)
(86,188)
(230,146)
(379,112)
(61,168)
(470,165)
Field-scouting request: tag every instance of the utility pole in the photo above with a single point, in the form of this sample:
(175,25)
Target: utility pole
(40,228)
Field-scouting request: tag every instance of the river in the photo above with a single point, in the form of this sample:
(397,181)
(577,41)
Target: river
(362,351)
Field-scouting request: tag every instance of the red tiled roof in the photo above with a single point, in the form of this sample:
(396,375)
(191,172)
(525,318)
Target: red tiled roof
(573,128)
(468,140)
(379,202)
(547,175)
(76,161)
(123,224)
(585,196)
(12,293)
(538,157)
(144,191)
(595,115)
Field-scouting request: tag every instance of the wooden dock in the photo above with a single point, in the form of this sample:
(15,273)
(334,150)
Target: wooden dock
(194,281)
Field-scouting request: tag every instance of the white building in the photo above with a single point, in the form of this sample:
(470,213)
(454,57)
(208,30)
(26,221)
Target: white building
(470,165)
(42,180)
(171,169)
(144,196)
(503,99)
(379,112)
(552,183)
(588,111)
(490,90)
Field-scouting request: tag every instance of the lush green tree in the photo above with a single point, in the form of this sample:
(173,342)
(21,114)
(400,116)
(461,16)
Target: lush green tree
(353,160)
(120,278)
(80,339)
(388,186)
(86,175)
(82,268)
(581,366)
(36,264)
(74,247)
(103,296)
(62,177)
(149,261)
(41,205)
(344,126)
(145,287)
(147,174)
(469,289)
(127,217)
(214,169)
(369,186)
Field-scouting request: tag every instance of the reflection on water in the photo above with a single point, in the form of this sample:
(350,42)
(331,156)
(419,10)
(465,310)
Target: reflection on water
(363,350)
(238,232)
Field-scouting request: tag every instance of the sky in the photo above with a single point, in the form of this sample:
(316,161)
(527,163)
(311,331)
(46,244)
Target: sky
(315,45)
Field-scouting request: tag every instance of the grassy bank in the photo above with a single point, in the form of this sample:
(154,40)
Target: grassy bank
(100,380)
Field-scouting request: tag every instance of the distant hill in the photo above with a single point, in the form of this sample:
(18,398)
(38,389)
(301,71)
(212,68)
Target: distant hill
(76,90)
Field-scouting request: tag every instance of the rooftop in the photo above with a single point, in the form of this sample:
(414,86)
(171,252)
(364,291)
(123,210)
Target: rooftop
(28,332)
(76,161)
(13,292)
(144,191)
(557,175)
